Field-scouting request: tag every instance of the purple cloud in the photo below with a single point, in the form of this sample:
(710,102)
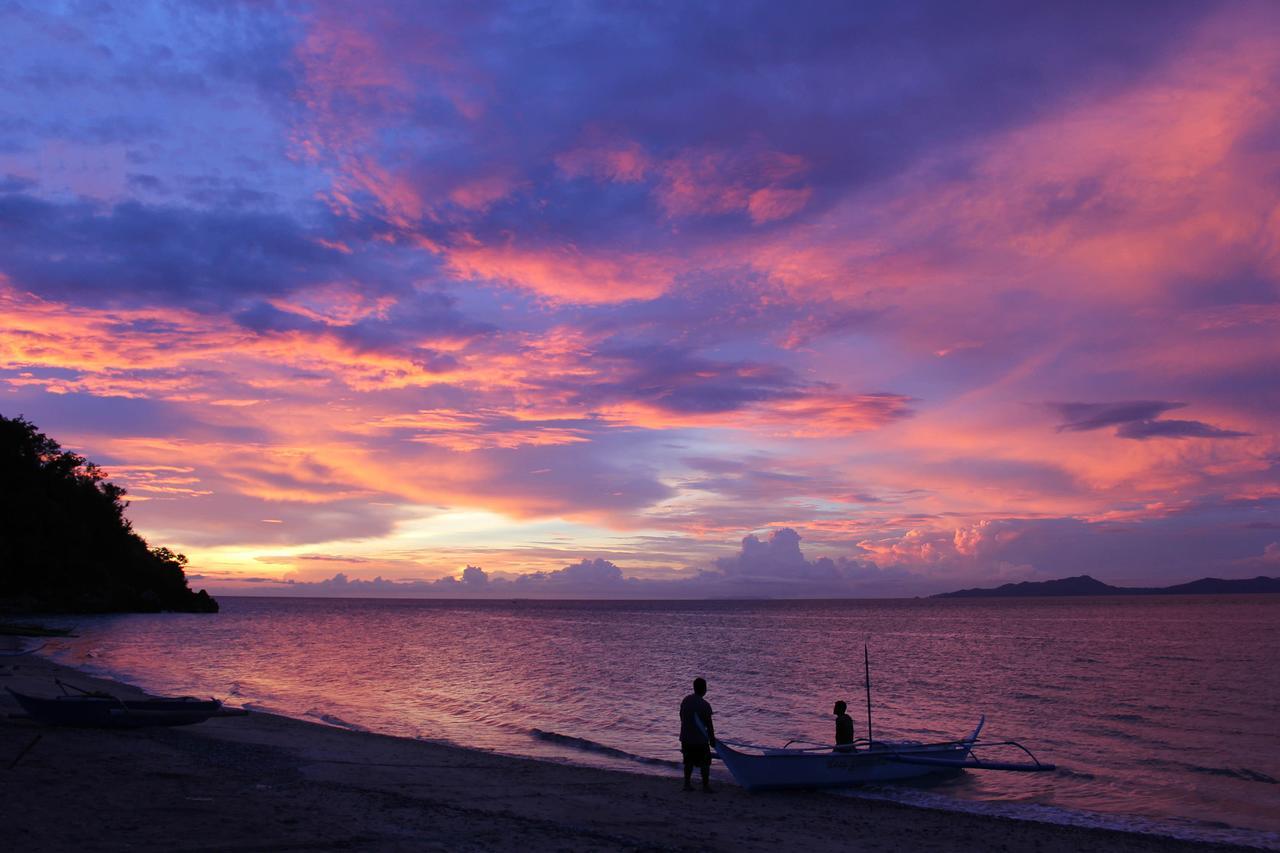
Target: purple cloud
(586,576)
(707,83)
(1081,417)
(777,557)
(132,253)
(1175,429)
(1135,419)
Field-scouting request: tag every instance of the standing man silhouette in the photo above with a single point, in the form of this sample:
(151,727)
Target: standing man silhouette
(697,735)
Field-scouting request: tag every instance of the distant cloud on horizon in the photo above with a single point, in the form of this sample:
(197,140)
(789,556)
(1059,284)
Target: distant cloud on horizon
(775,567)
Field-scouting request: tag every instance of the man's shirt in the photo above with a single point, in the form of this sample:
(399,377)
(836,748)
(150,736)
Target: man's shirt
(694,710)
(844,729)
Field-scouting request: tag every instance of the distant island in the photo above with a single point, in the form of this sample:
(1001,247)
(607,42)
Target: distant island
(65,544)
(1085,585)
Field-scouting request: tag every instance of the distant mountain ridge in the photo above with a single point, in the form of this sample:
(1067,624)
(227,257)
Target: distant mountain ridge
(1086,585)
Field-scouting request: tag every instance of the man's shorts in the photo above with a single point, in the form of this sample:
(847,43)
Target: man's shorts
(697,754)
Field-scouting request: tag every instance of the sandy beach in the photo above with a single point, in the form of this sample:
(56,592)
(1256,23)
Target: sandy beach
(265,782)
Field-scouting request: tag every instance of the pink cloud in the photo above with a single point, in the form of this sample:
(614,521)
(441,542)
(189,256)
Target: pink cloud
(564,273)
(1103,202)
(360,72)
(335,304)
(772,203)
(482,193)
(467,431)
(623,162)
(701,182)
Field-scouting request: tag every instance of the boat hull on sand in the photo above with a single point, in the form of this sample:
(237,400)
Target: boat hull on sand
(110,712)
(760,768)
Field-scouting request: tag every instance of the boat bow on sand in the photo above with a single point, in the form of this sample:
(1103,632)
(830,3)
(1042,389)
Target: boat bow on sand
(823,766)
(102,710)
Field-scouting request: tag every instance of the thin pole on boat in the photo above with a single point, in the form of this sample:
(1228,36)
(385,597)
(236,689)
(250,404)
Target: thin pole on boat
(866,666)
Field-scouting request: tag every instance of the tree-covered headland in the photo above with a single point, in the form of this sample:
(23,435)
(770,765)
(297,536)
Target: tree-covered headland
(65,544)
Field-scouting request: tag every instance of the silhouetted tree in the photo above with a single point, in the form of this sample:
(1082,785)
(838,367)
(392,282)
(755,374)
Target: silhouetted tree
(65,544)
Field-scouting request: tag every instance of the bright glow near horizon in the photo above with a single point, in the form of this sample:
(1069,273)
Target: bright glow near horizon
(959,298)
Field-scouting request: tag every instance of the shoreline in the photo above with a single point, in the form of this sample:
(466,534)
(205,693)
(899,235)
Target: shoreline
(269,782)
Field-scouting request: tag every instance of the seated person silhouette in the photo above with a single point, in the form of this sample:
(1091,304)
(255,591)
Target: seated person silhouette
(844,728)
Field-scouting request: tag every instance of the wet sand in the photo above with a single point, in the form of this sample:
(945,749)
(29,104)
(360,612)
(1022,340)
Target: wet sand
(265,783)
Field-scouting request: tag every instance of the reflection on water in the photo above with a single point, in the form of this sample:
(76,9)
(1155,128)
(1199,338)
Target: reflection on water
(1164,707)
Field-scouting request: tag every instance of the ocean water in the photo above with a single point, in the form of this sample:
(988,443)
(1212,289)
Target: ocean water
(1162,713)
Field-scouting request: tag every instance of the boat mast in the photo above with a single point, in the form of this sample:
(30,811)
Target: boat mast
(866,666)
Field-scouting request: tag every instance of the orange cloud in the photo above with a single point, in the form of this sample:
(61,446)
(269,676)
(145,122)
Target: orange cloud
(479,430)
(157,482)
(335,304)
(814,415)
(565,273)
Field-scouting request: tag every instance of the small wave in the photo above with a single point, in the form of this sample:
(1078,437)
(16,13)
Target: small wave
(1242,773)
(1125,718)
(1120,734)
(1237,773)
(335,721)
(598,748)
(1074,774)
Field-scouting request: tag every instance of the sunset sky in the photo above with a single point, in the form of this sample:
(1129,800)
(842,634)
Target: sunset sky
(583,295)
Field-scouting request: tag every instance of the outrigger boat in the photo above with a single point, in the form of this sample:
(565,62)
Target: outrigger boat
(102,710)
(17,653)
(865,761)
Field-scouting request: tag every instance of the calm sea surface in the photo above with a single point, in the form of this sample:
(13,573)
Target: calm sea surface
(1162,713)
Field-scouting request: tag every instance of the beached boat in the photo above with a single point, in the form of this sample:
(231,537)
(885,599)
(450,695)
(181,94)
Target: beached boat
(825,766)
(102,710)
(17,653)
(865,761)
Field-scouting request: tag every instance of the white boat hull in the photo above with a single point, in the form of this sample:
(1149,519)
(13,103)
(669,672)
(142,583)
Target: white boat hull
(763,769)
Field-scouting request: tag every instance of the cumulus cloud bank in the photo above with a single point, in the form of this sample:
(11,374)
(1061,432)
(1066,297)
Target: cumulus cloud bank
(771,568)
